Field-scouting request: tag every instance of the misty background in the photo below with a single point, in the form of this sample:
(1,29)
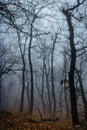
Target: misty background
(35,55)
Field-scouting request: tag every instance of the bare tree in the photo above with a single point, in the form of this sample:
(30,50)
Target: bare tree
(22,52)
(6,65)
(68,15)
(52,72)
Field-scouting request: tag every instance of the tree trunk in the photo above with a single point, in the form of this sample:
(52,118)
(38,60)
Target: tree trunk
(67,107)
(0,92)
(27,92)
(61,101)
(32,86)
(65,84)
(74,112)
(42,92)
(48,91)
(52,81)
(23,71)
(83,94)
(85,108)
(31,69)
(23,89)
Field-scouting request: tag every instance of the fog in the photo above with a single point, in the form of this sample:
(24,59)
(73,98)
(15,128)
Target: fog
(35,55)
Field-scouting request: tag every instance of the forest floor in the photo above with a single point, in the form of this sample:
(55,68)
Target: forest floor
(22,121)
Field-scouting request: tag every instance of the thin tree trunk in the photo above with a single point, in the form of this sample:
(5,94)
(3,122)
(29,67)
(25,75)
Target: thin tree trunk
(23,89)
(27,92)
(52,81)
(31,69)
(65,86)
(23,71)
(48,91)
(32,86)
(61,104)
(42,93)
(67,107)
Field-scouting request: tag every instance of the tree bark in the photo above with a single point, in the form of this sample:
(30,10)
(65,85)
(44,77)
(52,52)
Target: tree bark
(0,92)
(83,94)
(74,112)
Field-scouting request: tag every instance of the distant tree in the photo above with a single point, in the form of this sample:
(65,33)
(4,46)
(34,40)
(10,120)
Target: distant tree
(24,18)
(82,93)
(34,33)
(22,49)
(6,64)
(54,40)
(66,83)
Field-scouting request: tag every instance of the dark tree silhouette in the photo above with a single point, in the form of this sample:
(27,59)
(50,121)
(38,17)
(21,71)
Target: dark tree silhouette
(72,68)
(82,93)
(68,15)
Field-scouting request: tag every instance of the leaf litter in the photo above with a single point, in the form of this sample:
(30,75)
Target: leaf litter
(21,121)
